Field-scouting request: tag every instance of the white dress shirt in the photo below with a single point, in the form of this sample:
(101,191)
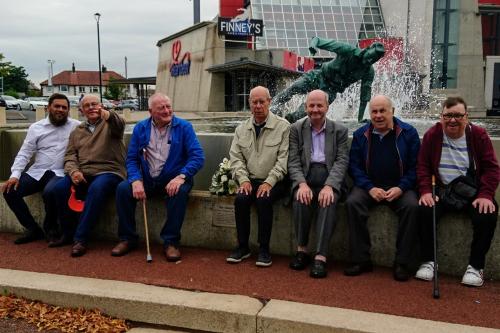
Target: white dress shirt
(48,143)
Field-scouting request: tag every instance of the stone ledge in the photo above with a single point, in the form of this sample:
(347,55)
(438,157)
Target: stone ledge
(138,302)
(209,223)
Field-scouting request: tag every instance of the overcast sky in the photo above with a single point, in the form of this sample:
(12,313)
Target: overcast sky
(33,31)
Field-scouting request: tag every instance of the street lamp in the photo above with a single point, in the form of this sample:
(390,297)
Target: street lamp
(97,16)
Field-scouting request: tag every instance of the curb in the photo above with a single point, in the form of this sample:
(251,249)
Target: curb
(207,311)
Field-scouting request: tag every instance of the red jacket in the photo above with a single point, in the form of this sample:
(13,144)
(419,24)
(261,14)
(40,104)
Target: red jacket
(480,148)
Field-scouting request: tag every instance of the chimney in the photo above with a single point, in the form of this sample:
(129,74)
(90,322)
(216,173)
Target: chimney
(73,68)
(104,69)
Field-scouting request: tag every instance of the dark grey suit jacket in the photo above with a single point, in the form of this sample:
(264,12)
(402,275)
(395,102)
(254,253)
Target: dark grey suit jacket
(336,152)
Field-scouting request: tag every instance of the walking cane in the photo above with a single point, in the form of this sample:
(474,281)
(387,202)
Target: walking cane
(434,232)
(149,258)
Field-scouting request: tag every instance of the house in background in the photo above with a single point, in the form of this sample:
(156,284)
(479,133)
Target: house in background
(75,83)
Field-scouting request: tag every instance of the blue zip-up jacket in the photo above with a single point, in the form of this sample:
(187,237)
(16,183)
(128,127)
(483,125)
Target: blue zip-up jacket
(185,156)
(407,145)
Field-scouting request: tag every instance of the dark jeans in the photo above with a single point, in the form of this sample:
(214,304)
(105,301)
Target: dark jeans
(176,210)
(99,189)
(483,230)
(27,186)
(358,204)
(325,216)
(242,205)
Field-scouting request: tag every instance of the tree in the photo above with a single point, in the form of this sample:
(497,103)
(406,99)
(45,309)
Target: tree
(14,78)
(115,90)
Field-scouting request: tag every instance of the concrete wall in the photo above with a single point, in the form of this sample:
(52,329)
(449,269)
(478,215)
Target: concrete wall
(194,92)
(209,221)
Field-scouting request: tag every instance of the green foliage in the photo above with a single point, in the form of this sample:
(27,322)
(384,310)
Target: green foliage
(115,90)
(222,182)
(12,93)
(14,78)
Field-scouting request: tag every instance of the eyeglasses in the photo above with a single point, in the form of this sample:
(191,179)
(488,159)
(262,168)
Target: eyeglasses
(457,116)
(90,105)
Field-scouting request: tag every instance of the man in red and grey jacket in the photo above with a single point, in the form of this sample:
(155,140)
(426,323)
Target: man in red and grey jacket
(448,151)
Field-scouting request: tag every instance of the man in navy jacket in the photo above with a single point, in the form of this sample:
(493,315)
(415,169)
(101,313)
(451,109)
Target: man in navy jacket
(382,164)
(163,156)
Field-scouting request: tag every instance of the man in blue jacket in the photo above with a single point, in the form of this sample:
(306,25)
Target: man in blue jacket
(382,164)
(163,156)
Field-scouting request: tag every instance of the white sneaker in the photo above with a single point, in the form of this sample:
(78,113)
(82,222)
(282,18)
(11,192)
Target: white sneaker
(473,277)
(426,271)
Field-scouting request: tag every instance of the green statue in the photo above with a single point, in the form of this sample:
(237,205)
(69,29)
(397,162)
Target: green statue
(351,65)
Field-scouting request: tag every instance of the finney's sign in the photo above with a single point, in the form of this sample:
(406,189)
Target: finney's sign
(227,26)
(179,67)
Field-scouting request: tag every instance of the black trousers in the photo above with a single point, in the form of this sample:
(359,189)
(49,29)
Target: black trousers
(358,204)
(325,216)
(264,205)
(483,230)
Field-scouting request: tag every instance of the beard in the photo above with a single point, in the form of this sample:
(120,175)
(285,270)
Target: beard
(57,120)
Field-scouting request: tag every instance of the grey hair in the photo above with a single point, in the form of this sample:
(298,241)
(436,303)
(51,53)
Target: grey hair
(268,95)
(387,98)
(154,96)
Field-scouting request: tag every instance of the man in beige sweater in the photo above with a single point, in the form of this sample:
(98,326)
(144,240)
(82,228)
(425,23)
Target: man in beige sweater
(94,165)
(259,155)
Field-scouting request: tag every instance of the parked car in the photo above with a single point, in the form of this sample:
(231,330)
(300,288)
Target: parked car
(35,102)
(12,103)
(131,104)
(23,105)
(107,104)
(3,103)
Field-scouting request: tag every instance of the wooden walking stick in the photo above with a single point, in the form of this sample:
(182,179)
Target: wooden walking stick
(149,258)
(435,292)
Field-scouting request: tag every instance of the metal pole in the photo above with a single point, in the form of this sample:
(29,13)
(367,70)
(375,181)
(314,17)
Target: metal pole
(407,41)
(97,18)
(196,11)
(126,76)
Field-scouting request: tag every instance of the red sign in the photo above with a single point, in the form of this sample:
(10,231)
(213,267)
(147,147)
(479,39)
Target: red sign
(394,53)
(179,67)
(230,8)
(489,2)
(297,63)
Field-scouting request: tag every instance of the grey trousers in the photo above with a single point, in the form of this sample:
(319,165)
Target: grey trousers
(358,204)
(325,217)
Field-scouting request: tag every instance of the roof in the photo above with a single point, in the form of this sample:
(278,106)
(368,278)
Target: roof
(82,78)
(185,31)
(150,80)
(246,64)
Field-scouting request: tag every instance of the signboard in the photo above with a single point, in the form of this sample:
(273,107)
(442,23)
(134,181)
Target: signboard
(233,27)
(297,63)
(393,59)
(182,66)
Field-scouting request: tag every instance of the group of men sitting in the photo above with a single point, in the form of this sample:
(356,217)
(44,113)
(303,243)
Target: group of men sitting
(386,163)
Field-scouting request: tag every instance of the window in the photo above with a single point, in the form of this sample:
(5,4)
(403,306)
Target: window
(63,88)
(94,89)
(81,90)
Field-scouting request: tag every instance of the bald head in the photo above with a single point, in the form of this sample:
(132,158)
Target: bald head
(377,99)
(261,91)
(317,93)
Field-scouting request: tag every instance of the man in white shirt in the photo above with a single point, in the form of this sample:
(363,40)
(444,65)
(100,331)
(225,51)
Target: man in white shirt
(46,140)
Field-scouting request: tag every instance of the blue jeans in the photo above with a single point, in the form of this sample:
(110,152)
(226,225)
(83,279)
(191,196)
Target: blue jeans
(99,189)
(27,186)
(176,210)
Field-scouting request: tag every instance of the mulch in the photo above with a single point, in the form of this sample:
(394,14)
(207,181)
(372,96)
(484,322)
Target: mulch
(206,270)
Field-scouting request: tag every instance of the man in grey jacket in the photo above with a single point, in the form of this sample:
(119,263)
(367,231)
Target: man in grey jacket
(317,164)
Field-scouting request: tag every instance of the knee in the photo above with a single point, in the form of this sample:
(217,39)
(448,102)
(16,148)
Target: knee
(242,200)
(124,189)
(264,202)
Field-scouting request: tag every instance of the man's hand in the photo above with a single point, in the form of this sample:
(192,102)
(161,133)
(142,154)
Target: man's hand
(427,200)
(304,194)
(312,50)
(138,190)
(377,194)
(174,185)
(245,188)
(484,205)
(326,196)
(264,190)
(393,193)
(77,178)
(13,182)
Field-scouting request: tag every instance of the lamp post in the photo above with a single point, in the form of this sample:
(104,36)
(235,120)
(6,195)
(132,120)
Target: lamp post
(97,17)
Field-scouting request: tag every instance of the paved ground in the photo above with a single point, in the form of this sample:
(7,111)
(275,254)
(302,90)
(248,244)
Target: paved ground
(206,270)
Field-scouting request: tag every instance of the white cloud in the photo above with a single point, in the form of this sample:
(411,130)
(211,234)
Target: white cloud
(33,31)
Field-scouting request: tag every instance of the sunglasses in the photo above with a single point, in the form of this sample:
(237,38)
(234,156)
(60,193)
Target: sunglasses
(457,116)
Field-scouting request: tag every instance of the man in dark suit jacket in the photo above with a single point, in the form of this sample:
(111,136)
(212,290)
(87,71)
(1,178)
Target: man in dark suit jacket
(317,164)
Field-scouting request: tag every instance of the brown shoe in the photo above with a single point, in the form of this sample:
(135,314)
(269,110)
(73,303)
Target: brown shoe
(63,241)
(78,250)
(172,253)
(122,249)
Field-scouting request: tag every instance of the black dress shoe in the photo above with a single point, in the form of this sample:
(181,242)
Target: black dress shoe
(359,268)
(78,249)
(30,236)
(300,261)
(318,269)
(400,272)
(62,241)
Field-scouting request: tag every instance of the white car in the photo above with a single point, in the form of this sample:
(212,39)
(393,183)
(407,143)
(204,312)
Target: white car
(23,105)
(37,102)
